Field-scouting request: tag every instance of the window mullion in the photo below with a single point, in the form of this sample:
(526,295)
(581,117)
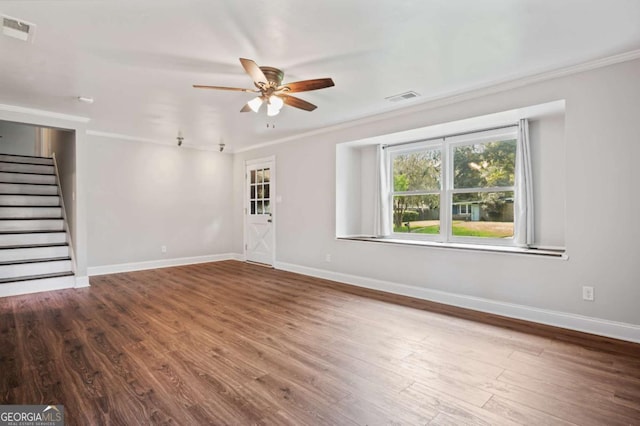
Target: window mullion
(415,192)
(474,190)
(445,197)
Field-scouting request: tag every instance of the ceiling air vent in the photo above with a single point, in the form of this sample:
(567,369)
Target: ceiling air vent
(402,96)
(17,28)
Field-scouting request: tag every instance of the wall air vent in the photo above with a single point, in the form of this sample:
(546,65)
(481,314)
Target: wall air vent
(17,28)
(402,96)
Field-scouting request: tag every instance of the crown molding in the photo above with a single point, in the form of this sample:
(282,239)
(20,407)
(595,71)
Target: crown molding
(120,136)
(125,137)
(43,113)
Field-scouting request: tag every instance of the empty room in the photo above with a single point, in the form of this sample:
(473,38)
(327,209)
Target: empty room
(330,213)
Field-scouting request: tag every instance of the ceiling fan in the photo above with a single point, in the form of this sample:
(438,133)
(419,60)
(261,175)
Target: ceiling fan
(268,82)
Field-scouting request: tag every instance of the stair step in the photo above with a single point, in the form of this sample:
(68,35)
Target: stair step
(25,168)
(36,277)
(42,260)
(29,200)
(18,246)
(28,188)
(29,238)
(23,212)
(26,159)
(35,224)
(36,283)
(16,177)
(36,252)
(16,270)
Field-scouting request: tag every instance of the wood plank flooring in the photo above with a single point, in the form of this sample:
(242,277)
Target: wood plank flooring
(233,343)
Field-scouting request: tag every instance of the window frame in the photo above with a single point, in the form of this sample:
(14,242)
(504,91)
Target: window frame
(447,145)
(430,145)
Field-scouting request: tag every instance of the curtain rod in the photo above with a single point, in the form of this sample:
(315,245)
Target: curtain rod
(449,136)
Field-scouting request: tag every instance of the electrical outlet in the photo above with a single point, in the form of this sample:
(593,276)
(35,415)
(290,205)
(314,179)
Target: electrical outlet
(163,249)
(327,257)
(588,293)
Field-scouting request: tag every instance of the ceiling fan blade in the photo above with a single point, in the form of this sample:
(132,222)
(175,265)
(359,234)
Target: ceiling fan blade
(298,103)
(254,72)
(235,89)
(306,85)
(246,108)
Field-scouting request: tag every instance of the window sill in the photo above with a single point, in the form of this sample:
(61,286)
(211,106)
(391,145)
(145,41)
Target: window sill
(544,252)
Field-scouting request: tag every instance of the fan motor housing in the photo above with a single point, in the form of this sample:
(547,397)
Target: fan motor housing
(274,75)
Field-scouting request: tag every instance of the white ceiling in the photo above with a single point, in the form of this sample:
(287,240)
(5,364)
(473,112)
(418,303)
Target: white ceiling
(139,58)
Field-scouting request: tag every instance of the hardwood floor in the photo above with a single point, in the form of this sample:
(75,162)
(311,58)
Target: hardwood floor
(233,343)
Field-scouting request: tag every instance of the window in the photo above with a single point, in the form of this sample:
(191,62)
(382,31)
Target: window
(455,189)
(416,189)
(259,197)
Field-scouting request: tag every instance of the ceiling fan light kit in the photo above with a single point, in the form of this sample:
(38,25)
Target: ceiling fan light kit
(268,82)
(274,105)
(255,104)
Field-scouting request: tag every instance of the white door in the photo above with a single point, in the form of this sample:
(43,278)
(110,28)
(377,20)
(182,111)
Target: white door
(259,212)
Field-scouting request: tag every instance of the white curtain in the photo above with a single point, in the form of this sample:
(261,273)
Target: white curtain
(382,213)
(523,188)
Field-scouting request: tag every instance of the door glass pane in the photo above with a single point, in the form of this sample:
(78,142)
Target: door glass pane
(416,213)
(417,171)
(483,214)
(484,165)
(259,192)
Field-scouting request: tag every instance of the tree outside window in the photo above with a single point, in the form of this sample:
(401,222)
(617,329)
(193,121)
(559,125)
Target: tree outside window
(478,192)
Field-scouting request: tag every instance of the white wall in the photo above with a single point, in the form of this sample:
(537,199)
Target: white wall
(348,161)
(599,163)
(548,157)
(62,144)
(368,173)
(18,139)
(142,196)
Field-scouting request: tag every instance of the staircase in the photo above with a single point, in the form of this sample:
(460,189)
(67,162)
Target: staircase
(34,249)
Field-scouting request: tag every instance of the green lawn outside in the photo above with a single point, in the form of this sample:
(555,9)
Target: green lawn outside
(464,229)
(433,229)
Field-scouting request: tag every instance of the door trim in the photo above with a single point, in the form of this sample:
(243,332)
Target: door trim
(245,204)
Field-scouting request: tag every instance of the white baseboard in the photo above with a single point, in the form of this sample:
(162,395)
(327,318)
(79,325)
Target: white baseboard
(155,264)
(82,282)
(601,327)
